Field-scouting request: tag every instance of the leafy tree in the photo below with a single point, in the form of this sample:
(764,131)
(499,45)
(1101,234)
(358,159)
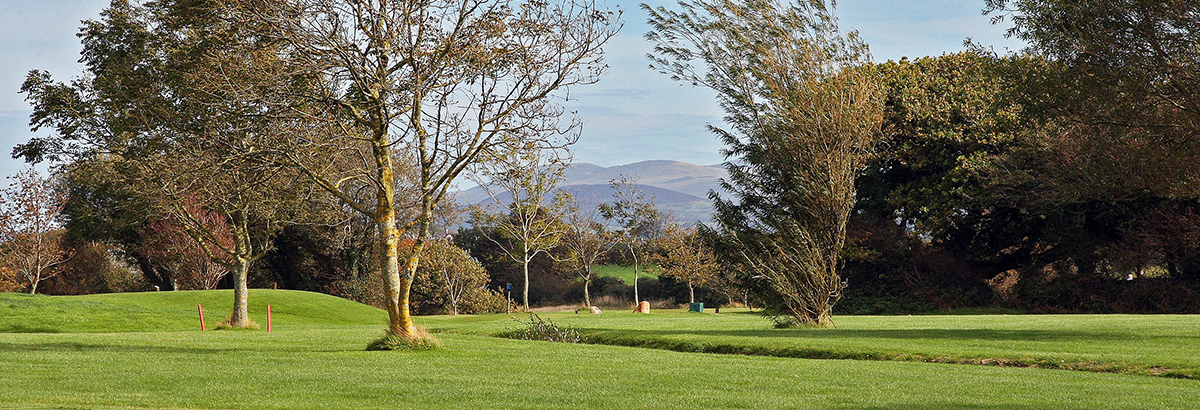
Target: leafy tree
(639,220)
(1126,123)
(447,279)
(30,233)
(147,108)
(804,116)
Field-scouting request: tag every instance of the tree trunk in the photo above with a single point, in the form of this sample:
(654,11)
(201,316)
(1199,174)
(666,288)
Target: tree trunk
(691,294)
(636,298)
(240,316)
(525,268)
(243,251)
(587,298)
(33,285)
(394,289)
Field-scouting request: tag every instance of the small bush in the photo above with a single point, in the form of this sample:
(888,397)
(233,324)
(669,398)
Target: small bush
(421,339)
(545,330)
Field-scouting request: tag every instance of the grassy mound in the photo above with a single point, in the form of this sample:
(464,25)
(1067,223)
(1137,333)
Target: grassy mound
(173,311)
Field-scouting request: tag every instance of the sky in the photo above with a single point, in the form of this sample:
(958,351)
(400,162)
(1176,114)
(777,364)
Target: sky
(633,114)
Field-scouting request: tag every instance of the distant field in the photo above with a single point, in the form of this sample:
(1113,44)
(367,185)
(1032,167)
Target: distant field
(315,359)
(624,273)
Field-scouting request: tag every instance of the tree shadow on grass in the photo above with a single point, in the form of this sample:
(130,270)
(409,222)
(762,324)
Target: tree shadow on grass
(90,347)
(907,334)
(997,406)
(22,328)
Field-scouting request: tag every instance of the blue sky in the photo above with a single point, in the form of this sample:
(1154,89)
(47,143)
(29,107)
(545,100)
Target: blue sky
(633,114)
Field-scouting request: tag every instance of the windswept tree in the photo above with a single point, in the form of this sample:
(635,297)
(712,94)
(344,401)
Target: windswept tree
(30,230)
(437,83)
(803,117)
(639,221)
(522,186)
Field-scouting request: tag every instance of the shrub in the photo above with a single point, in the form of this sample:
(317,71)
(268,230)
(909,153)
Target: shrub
(361,287)
(94,268)
(420,340)
(545,330)
(479,300)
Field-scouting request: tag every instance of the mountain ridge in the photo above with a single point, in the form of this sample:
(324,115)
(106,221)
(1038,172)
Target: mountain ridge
(679,188)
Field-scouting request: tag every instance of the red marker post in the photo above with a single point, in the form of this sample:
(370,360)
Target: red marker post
(268,318)
(201,309)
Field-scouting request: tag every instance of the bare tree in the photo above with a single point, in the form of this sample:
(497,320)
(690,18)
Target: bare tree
(438,83)
(639,220)
(29,219)
(804,118)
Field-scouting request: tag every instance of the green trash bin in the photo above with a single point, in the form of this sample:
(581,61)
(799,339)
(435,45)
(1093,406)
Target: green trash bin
(696,307)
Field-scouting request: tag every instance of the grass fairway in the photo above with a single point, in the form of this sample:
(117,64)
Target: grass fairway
(624,273)
(1166,345)
(312,360)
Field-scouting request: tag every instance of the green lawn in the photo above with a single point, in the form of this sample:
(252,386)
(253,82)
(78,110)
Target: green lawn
(624,273)
(315,359)
(1139,344)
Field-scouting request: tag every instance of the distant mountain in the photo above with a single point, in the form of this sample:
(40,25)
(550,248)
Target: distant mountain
(687,178)
(679,188)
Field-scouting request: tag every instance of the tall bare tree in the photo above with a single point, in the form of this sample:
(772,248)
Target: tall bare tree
(803,117)
(529,210)
(436,83)
(29,218)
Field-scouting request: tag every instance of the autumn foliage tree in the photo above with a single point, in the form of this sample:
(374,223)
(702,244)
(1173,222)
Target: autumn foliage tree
(30,230)
(683,255)
(192,263)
